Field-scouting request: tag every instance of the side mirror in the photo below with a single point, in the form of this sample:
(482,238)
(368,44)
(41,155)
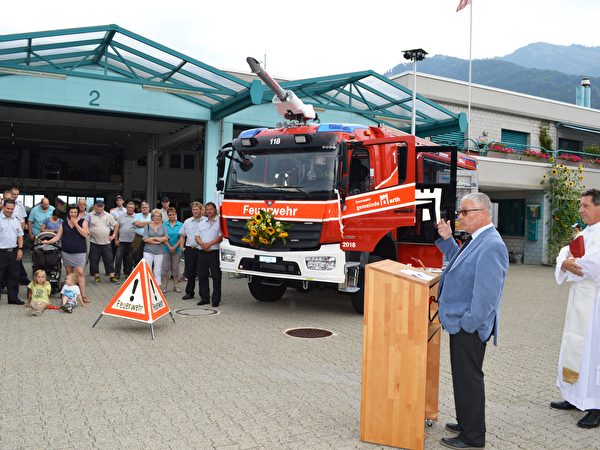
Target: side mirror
(220,168)
(220,185)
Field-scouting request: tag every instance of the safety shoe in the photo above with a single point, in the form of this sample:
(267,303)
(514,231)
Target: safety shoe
(115,280)
(97,280)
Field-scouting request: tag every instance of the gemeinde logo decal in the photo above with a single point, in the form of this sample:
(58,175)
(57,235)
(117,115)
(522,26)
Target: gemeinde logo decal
(381,200)
(384,199)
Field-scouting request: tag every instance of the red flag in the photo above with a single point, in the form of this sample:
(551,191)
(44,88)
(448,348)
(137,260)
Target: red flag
(463,4)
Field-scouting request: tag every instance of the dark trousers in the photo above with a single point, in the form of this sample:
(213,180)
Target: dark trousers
(101,250)
(466,360)
(191,269)
(124,258)
(23,278)
(209,261)
(10,265)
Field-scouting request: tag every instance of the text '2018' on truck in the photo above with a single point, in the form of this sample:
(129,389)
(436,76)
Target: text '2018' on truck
(354,194)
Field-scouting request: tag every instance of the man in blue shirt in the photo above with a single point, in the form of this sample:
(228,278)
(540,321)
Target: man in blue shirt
(37,215)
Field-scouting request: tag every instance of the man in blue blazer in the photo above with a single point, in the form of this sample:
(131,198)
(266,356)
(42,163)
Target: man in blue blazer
(470,291)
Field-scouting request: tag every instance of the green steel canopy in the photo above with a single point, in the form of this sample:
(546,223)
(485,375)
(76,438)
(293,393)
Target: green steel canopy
(121,56)
(376,97)
(113,53)
(366,93)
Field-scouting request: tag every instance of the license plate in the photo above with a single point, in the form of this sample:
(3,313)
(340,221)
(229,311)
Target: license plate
(268,259)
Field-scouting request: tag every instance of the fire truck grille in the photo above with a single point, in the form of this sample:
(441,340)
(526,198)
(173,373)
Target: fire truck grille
(302,236)
(281,267)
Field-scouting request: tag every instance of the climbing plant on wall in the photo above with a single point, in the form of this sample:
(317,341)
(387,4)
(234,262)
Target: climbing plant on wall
(562,186)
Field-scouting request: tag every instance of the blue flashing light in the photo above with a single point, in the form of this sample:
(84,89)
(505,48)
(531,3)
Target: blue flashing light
(251,133)
(340,127)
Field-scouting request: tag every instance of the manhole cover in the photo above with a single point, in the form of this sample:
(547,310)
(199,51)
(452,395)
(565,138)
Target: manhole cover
(196,312)
(308,333)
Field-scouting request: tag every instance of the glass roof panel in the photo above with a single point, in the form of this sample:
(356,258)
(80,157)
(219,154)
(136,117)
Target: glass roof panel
(66,38)
(62,50)
(212,76)
(147,49)
(430,111)
(385,88)
(190,81)
(372,97)
(150,66)
(14,57)
(13,44)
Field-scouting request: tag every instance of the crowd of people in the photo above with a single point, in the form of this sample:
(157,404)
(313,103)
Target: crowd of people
(120,237)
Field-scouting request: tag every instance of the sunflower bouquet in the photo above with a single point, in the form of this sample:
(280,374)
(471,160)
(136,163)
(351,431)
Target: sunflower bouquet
(263,229)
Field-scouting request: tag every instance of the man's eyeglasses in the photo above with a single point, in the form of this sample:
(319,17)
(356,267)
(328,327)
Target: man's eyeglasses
(464,212)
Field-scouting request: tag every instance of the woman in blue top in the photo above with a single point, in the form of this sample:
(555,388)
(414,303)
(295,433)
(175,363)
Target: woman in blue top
(52,223)
(170,265)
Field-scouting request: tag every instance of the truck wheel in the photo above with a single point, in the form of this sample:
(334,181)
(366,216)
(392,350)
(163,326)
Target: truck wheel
(265,293)
(358,299)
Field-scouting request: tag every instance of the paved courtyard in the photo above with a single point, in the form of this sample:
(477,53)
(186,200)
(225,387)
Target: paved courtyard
(235,380)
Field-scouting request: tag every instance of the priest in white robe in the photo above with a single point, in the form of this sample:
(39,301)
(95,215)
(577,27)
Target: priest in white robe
(579,361)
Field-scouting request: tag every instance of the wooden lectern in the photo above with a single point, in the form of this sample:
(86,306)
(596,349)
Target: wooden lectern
(401,356)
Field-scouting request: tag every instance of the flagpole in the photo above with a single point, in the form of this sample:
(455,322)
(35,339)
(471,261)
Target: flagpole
(470,65)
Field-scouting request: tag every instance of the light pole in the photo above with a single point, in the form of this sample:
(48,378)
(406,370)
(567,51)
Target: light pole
(414,55)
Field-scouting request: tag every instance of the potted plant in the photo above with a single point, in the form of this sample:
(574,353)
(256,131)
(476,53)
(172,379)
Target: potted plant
(498,150)
(571,160)
(532,155)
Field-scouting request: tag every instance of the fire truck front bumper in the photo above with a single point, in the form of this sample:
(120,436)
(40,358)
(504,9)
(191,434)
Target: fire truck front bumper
(326,265)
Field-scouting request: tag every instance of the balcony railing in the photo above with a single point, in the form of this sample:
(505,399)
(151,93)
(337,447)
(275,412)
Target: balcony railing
(532,152)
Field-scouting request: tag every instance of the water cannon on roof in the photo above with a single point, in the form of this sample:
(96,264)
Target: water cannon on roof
(287,103)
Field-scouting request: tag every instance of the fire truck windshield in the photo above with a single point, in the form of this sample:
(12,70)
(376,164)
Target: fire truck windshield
(283,174)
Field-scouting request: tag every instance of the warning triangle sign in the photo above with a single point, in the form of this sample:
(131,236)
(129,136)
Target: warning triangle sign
(139,298)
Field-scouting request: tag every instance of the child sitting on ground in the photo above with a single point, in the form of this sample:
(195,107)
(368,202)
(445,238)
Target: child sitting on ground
(70,293)
(38,297)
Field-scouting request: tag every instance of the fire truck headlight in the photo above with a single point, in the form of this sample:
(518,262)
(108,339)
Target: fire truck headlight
(320,263)
(227,255)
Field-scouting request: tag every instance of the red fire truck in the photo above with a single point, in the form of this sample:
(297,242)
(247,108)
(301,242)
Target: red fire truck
(352,194)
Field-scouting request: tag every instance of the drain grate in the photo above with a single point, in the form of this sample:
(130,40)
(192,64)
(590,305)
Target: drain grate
(195,312)
(308,333)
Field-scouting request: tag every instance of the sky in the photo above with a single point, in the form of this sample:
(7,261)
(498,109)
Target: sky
(322,38)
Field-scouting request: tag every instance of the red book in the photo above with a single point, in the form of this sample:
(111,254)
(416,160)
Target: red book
(577,248)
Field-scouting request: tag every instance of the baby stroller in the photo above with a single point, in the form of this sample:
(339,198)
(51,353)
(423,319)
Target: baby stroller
(47,257)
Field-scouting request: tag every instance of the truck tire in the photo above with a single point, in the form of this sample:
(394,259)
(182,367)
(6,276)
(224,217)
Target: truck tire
(358,299)
(265,293)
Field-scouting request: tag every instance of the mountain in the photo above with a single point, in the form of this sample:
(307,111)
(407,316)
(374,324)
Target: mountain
(503,74)
(581,60)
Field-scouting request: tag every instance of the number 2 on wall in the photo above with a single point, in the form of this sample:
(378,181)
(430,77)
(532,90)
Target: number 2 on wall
(96,96)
